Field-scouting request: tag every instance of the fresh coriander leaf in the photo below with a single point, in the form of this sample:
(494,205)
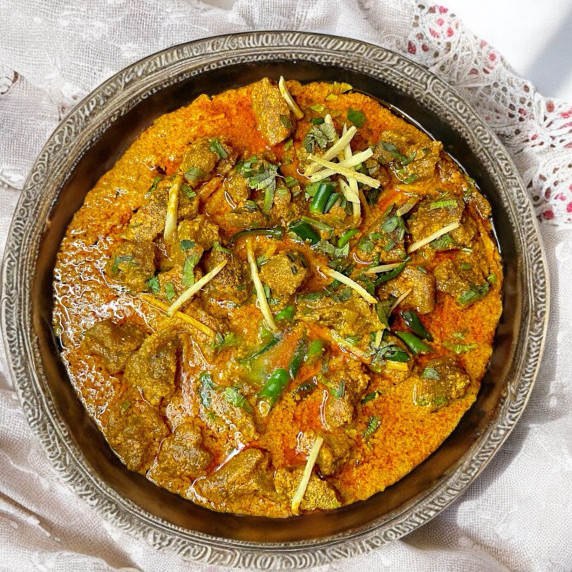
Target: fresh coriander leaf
(154,285)
(169,291)
(117,260)
(186,244)
(444,241)
(460,348)
(319,135)
(219,248)
(189,270)
(356,117)
(222,342)
(216,147)
(234,397)
(152,188)
(430,373)
(285,120)
(370,397)
(188,191)
(194,174)
(473,293)
(372,426)
(206,388)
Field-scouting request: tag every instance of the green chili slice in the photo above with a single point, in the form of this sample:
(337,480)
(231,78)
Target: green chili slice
(304,231)
(275,232)
(298,358)
(320,200)
(412,320)
(416,345)
(260,351)
(285,314)
(274,386)
(346,237)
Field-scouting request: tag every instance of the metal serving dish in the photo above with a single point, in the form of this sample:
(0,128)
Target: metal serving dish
(88,142)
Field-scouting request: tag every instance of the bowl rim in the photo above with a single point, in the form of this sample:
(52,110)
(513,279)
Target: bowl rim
(88,120)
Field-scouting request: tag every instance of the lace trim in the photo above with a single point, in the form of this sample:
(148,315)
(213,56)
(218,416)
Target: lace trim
(536,131)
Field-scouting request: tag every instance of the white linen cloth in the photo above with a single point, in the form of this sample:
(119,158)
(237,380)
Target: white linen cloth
(517,515)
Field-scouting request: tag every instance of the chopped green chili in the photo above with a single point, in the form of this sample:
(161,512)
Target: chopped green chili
(411,318)
(416,345)
(304,231)
(320,199)
(275,232)
(274,386)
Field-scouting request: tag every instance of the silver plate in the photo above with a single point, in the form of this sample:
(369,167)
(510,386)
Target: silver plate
(87,143)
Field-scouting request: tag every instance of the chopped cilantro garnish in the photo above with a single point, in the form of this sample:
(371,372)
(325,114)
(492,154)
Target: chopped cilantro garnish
(372,426)
(228,340)
(356,117)
(154,285)
(430,373)
(473,293)
(216,147)
(194,174)
(152,188)
(169,291)
(186,244)
(234,397)
(319,135)
(188,191)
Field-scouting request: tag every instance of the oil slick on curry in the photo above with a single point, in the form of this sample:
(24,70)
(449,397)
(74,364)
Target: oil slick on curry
(280,299)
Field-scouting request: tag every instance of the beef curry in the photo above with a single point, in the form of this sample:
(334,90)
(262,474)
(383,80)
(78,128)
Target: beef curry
(280,299)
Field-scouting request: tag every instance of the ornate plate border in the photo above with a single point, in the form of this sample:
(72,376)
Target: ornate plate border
(89,119)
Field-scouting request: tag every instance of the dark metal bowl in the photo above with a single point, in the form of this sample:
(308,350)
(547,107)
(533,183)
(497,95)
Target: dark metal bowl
(86,145)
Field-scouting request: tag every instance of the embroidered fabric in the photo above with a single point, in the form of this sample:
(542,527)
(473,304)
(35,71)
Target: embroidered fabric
(537,131)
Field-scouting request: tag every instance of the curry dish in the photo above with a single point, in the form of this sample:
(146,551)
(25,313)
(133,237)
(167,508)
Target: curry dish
(281,299)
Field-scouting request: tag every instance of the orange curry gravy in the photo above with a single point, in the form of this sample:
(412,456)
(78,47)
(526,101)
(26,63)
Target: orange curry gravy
(355,381)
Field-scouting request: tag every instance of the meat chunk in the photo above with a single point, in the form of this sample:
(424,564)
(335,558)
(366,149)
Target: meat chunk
(237,188)
(286,207)
(181,458)
(114,343)
(244,474)
(231,283)
(425,157)
(134,430)
(346,381)
(319,494)
(353,317)
(188,203)
(200,230)
(390,145)
(384,240)
(199,161)
(463,235)
(149,220)
(433,214)
(462,278)
(247,216)
(334,452)
(153,368)
(442,381)
(271,111)
(235,419)
(421,284)
(173,282)
(132,264)
(337,217)
(284,273)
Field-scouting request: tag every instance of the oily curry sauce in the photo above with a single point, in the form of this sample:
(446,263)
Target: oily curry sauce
(264,339)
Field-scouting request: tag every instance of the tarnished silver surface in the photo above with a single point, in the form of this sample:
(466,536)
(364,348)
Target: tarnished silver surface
(51,196)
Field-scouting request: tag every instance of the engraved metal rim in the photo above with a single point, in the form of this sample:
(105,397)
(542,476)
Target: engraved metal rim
(93,116)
